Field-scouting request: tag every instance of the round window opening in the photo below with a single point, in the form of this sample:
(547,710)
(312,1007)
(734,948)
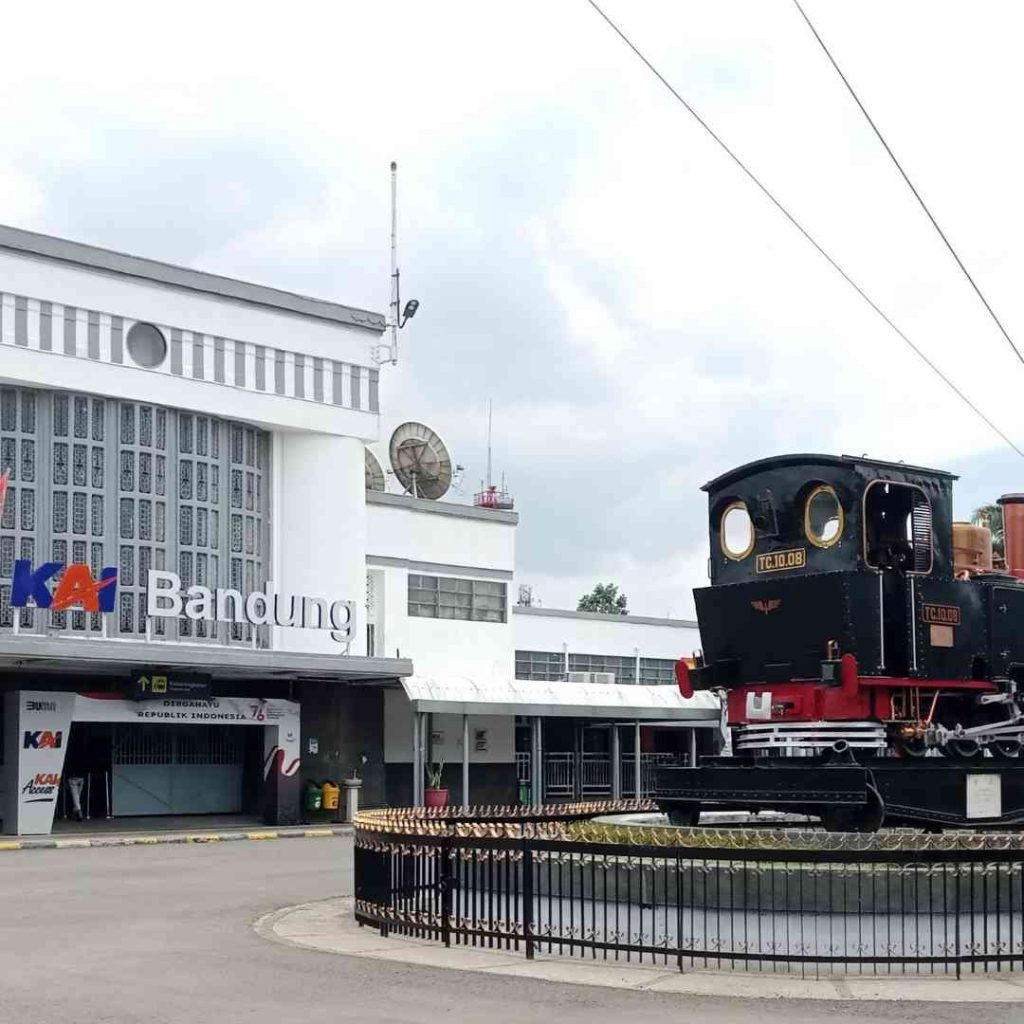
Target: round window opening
(146,345)
(823,517)
(737,531)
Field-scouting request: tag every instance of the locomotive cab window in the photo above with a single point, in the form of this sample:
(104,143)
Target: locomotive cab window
(897,527)
(736,531)
(823,517)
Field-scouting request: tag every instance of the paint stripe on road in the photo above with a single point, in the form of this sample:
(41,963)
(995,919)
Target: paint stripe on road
(190,838)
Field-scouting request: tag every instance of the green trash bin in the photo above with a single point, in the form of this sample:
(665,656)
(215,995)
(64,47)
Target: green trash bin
(314,796)
(524,795)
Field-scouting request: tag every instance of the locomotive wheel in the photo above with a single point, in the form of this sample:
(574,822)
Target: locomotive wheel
(1007,748)
(966,750)
(686,815)
(912,746)
(867,817)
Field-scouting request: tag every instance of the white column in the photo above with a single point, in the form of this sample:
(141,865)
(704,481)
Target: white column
(417,767)
(693,748)
(465,761)
(320,531)
(636,763)
(616,762)
(536,763)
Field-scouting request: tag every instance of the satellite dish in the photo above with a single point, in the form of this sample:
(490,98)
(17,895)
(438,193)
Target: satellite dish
(375,480)
(420,461)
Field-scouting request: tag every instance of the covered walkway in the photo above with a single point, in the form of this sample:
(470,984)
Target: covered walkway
(612,709)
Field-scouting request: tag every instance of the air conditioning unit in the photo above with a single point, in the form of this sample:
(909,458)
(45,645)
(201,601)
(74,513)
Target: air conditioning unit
(591,677)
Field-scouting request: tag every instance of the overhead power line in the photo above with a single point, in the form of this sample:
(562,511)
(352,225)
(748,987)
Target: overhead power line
(803,231)
(910,184)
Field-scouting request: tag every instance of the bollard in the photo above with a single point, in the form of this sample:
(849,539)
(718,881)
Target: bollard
(351,788)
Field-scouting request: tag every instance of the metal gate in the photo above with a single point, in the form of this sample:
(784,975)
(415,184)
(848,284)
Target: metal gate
(177,769)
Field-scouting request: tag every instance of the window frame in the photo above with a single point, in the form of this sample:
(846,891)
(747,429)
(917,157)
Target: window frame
(931,533)
(733,557)
(445,597)
(818,542)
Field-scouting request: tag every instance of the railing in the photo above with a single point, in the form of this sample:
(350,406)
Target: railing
(590,775)
(533,880)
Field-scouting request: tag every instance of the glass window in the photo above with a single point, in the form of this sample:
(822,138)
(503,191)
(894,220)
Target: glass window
(823,517)
(737,531)
(446,597)
(146,345)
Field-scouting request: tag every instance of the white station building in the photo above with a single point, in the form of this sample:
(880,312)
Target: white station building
(204,606)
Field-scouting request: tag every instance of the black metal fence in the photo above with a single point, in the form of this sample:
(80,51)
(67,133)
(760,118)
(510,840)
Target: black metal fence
(759,901)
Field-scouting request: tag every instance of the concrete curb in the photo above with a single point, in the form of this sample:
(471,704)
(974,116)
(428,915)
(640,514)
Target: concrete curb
(162,839)
(328,926)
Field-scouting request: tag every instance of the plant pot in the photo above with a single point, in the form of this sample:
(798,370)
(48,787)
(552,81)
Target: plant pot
(435,797)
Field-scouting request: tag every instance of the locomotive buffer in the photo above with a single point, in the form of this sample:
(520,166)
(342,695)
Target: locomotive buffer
(867,651)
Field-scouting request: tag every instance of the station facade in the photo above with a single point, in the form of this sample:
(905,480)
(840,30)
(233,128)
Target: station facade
(201,604)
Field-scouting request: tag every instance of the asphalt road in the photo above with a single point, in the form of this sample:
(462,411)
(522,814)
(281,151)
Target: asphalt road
(163,933)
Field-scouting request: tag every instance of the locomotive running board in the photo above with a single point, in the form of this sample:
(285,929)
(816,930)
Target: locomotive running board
(930,791)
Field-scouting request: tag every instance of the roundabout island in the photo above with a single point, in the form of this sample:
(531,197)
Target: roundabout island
(614,882)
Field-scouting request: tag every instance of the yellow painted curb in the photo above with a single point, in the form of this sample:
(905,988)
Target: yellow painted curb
(313,833)
(260,835)
(141,841)
(10,846)
(202,839)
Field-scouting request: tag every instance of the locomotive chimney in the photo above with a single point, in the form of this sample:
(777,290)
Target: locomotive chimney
(1013,532)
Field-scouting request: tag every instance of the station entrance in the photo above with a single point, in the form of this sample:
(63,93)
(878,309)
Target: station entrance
(146,770)
(98,755)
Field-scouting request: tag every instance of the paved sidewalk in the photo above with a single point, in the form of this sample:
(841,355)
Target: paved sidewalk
(107,838)
(328,926)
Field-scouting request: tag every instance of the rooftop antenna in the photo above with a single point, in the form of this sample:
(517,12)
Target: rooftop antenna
(491,496)
(490,411)
(388,353)
(420,460)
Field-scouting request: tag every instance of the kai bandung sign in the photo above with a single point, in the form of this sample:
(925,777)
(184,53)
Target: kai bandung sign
(166,599)
(77,587)
(60,587)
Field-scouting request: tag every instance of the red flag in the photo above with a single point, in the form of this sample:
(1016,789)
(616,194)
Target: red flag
(4,477)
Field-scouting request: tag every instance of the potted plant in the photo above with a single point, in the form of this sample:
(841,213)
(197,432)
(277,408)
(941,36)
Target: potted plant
(434,795)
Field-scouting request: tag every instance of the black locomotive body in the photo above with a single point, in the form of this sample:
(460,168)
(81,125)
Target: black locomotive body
(869,669)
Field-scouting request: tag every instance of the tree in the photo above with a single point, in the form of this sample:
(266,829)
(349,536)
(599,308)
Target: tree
(992,517)
(604,598)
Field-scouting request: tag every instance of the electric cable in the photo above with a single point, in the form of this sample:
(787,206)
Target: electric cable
(803,231)
(910,184)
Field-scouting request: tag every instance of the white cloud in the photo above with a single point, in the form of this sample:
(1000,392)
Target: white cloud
(640,314)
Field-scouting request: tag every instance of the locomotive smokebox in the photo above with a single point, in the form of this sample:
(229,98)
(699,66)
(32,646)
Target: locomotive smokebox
(1013,532)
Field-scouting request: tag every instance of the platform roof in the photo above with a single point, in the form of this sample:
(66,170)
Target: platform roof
(458,695)
(77,655)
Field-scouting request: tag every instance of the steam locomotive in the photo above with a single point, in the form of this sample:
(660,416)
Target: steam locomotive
(868,652)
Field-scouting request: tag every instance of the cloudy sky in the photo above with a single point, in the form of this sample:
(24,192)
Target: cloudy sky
(585,256)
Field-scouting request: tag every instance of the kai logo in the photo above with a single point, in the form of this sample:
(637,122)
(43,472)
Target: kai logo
(76,588)
(43,739)
(41,788)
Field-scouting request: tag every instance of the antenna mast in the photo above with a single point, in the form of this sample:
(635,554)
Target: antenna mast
(490,410)
(396,318)
(393,309)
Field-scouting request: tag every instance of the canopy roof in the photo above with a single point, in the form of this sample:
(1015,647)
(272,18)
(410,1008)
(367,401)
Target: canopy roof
(458,695)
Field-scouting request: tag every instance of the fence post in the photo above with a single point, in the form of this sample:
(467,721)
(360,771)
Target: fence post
(446,882)
(528,897)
